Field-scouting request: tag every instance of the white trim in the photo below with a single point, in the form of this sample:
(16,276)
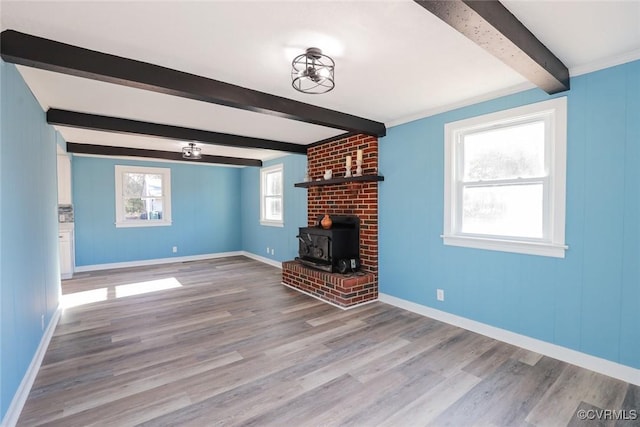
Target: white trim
(327,301)
(593,363)
(156,261)
(263,174)
(152,159)
(17,403)
(269,261)
(271,223)
(554,114)
(142,223)
(601,64)
(527,248)
(142,263)
(165,173)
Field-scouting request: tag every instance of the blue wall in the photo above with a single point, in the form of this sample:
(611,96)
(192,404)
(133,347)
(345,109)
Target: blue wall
(256,237)
(589,301)
(29,270)
(205,209)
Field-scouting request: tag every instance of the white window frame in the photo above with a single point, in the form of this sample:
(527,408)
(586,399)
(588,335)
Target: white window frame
(120,170)
(554,112)
(263,180)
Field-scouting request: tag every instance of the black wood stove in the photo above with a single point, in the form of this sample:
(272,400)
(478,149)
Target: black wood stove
(335,249)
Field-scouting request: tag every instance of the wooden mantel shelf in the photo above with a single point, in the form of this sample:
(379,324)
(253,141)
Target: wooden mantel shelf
(334,181)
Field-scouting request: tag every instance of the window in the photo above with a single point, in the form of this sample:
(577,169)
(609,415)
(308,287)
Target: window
(505,180)
(271,200)
(143,196)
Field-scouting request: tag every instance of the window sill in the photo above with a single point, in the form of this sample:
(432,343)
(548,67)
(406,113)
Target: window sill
(272,223)
(527,248)
(142,224)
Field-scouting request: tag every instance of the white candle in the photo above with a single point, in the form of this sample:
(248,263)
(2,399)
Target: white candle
(359,158)
(348,162)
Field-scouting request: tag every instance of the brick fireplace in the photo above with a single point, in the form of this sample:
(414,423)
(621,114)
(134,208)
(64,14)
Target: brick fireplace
(354,197)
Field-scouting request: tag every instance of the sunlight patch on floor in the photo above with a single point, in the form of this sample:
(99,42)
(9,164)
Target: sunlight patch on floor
(82,298)
(130,289)
(146,287)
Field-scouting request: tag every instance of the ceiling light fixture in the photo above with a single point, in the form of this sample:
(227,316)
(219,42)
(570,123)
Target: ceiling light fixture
(313,72)
(191,152)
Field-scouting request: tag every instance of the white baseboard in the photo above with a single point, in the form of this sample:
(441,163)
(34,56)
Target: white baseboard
(272,262)
(142,263)
(19,399)
(156,261)
(593,363)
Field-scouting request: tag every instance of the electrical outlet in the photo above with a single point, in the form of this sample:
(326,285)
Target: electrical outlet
(273,251)
(42,322)
(440,294)
(175,249)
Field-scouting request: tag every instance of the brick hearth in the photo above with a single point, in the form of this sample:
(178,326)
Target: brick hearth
(345,290)
(351,198)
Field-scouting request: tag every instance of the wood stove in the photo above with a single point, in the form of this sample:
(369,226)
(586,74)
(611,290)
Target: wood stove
(334,249)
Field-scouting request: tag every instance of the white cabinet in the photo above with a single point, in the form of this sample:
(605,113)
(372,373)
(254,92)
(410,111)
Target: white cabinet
(64,179)
(65,241)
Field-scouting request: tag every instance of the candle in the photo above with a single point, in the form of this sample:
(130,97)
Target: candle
(359,158)
(348,163)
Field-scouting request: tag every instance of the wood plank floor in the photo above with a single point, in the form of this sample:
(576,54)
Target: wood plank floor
(231,346)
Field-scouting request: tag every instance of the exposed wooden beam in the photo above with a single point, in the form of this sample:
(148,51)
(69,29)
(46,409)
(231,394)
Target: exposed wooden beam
(490,25)
(118,125)
(105,150)
(37,52)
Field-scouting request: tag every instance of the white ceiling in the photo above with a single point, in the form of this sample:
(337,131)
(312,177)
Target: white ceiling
(394,61)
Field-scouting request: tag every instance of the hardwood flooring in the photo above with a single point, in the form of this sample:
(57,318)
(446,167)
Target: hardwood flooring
(225,344)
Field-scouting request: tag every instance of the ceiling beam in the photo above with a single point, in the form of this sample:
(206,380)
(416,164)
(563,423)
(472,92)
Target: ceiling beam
(37,52)
(118,125)
(105,150)
(491,26)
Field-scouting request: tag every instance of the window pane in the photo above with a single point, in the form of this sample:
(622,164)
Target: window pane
(143,196)
(274,184)
(273,208)
(510,210)
(143,208)
(505,153)
(132,184)
(152,185)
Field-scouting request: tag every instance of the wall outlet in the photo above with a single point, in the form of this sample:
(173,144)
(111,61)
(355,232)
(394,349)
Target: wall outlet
(267,250)
(42,322)
(175,249)
(440,294)
(273,251)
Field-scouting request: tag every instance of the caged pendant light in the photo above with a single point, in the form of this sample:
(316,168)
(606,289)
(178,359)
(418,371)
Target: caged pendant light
(312,72)
(191,152)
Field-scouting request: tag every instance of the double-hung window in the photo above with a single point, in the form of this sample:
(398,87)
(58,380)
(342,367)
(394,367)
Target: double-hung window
(505,180)
(271,196)
(143,196)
